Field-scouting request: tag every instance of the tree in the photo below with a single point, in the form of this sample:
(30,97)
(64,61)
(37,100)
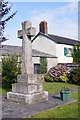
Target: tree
(10,69)
(4,10)
(76,53)
(43,66)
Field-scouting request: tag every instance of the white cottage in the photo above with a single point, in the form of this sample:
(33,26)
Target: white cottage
(60,47)
(55,48)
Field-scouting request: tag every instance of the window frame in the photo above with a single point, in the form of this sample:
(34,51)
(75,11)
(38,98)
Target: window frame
(66,52)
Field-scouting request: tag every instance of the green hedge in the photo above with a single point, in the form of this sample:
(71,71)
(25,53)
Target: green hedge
(43,66)
(74,76)
(10,70)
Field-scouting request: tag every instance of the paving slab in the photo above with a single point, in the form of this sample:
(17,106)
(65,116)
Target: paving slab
(12,109)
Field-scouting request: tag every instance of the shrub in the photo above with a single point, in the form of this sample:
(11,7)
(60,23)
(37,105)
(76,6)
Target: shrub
(48,78)
(64,89)
(10,70)
(43,66)
(58,71)
(74,76)
(63,78)
(76,53)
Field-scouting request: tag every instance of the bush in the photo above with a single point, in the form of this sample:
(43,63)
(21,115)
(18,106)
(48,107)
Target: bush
(76,53)
(74,76)
(63,78)
(43,66)
(48,78)
(59,70)
(10,70)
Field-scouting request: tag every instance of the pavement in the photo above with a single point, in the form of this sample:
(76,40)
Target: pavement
(12,109)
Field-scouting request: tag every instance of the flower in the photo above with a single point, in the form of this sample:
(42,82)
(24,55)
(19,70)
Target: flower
(58,70)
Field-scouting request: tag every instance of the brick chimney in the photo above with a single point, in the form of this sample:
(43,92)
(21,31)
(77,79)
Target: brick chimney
(43,27)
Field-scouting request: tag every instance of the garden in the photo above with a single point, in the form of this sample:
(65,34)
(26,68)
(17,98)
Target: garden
(57,77)
(65,111)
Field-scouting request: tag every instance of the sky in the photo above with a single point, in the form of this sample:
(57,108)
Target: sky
(62,19)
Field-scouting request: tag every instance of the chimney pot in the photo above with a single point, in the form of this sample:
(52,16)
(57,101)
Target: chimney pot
(43,27)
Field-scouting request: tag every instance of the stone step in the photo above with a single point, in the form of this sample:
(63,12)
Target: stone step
(25,88)
(29,98)
(27,78)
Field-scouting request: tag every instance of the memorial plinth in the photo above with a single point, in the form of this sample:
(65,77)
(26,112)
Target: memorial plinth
(29,88)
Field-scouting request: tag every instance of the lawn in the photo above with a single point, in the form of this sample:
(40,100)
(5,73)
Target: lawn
(65,111)
(4,91)
(52,87)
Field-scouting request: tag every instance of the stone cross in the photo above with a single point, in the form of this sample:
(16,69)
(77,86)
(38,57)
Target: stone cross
(26,33)
(29,87)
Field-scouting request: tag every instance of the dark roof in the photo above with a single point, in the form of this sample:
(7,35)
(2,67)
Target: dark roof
(58,39)
(36,53)
(7,49)
(63,40)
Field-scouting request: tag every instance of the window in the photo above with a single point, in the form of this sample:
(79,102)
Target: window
(36,67)
(67,52)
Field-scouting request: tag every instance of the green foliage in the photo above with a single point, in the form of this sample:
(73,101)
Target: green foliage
(43,66)
(10,70)
(64,89)
(74,76)
(63,78)
(76,53)
(4,91)
(48,78)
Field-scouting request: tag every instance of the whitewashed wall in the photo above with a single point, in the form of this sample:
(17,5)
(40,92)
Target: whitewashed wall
(51,62)
(36,60)
(60,54)
(44,44)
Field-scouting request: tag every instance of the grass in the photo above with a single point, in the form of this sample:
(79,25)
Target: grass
(65,111)
(52,87)
(4,91)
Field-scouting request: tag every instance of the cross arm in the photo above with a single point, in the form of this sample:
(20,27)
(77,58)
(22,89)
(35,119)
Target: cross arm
(20,34)
(31,31)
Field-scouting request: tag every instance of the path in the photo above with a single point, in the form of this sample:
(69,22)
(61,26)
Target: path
(16,110)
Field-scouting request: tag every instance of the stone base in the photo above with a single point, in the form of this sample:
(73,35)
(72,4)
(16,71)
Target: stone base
(28,98)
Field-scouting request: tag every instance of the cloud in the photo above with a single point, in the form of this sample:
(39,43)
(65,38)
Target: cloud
(61,21)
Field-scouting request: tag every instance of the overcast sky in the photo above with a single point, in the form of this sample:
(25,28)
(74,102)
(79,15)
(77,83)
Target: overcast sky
(62,19)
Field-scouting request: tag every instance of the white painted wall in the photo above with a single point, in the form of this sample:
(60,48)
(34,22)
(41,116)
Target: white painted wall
(44,44)
(51,62)
(60,54)
(36,60)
